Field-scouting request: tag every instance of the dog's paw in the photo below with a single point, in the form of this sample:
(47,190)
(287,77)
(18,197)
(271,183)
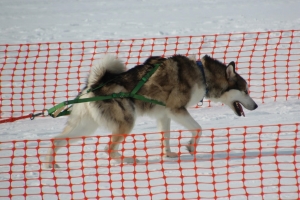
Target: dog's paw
(171,154)
(129,160)
(50,166)
(191,149)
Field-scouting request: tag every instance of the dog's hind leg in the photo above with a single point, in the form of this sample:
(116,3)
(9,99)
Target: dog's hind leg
(75,127)
(118,136)
(118,116)
(183,117)
(163,125)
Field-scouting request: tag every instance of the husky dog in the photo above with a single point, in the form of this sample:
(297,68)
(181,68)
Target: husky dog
(179,82)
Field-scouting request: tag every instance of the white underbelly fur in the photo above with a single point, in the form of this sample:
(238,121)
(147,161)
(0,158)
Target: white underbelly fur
(198,94)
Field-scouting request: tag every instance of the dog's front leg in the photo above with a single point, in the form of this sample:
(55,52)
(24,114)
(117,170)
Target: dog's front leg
(183,117)
(50,161)
(164,127)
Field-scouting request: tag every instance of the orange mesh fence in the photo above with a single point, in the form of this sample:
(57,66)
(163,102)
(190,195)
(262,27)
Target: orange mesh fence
(253,162)
(38,76)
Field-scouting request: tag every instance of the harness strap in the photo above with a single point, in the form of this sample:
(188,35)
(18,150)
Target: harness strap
(62,109)
(144,79)
(200,65)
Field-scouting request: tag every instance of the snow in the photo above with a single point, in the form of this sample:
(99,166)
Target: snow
(35,21)
(69,20)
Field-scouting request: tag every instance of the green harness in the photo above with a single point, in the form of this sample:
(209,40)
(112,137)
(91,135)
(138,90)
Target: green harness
(61,110)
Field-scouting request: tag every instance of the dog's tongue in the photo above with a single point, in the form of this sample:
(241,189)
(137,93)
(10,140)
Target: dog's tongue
(241,108)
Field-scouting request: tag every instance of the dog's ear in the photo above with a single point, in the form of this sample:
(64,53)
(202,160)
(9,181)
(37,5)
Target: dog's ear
(230,70)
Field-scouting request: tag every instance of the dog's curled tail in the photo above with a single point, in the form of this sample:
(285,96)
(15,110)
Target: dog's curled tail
(109,63)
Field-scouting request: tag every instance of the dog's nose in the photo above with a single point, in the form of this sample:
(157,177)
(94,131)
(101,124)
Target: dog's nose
(255,106)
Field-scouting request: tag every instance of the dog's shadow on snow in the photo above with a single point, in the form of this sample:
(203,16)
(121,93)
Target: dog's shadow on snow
(282,155)
(221,156)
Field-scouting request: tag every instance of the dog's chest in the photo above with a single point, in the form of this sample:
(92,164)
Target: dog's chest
(197,95)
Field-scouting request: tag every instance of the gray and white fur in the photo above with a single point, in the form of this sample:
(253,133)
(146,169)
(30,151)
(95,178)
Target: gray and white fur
(178,82)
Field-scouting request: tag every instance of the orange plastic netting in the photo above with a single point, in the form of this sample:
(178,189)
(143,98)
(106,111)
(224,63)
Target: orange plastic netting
(37,76)
(251,162)
(247,162)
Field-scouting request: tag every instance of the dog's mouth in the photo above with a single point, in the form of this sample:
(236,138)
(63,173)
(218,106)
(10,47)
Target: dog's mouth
(238,108)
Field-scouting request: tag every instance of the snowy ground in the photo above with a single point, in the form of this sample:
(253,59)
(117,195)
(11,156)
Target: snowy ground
(68,20)
(34,21)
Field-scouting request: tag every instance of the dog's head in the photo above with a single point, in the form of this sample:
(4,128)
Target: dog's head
(225,85)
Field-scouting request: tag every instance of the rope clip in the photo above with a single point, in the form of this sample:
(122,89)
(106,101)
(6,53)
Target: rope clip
(38,114)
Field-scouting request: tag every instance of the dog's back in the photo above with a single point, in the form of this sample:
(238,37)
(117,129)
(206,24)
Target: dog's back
(171,84)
